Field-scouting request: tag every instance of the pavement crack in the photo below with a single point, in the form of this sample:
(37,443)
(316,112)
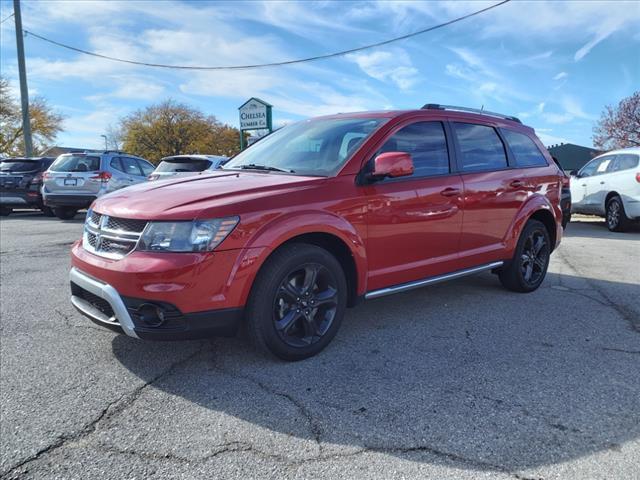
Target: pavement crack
(111,410)
(314,425)
(621,350)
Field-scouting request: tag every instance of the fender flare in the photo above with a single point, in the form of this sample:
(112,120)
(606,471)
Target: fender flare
(532,205)
(286,227)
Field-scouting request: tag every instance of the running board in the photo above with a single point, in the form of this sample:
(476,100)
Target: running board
(403,287)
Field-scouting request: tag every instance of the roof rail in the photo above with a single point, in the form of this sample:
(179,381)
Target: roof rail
(435,106)
(113,151)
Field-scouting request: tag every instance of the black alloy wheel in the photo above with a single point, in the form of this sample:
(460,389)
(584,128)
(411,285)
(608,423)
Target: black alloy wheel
(526,270)
(534,257)
(305,305)
(297,302)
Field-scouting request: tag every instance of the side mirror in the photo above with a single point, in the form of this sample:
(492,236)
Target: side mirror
(573,173)
(393,165)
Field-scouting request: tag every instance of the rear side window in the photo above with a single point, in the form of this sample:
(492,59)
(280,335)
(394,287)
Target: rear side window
(75,163)
(624,161)
(427,144)
(524,149)
(480,147)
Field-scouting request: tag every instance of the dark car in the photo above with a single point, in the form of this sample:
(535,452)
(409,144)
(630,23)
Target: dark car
(20,183)
(565,196)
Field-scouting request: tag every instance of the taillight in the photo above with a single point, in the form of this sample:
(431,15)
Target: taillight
(638,177)
(104,177)
(46,176)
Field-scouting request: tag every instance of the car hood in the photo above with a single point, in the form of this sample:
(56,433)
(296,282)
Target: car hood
(190,197)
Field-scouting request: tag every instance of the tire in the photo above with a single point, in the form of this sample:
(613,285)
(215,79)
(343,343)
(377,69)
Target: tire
(47,212)
(5,211)
(281,316)
(526,271)
(616,217)
(65,213)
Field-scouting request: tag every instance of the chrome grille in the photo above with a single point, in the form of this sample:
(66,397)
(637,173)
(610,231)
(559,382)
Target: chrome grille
(111,237)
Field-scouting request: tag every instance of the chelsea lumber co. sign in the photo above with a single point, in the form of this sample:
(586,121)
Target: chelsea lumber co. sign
(255,114)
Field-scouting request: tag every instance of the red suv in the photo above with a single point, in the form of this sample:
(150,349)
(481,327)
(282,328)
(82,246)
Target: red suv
(316,217)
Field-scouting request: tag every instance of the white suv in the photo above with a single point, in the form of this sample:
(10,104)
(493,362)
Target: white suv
(609,186)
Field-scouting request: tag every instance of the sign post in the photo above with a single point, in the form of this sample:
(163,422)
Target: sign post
(255,114)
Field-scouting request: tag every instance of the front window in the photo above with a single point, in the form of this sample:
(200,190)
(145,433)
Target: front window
(311,147)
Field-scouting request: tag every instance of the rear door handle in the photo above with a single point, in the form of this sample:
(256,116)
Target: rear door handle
(517,184)
(602,183)
(450,192)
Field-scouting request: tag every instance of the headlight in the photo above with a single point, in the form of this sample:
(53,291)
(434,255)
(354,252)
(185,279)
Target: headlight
(195,236)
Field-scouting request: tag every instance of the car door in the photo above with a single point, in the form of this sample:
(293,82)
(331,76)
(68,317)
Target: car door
(595,186)
(146,167)
(414,223)
(119,178)
(493,193)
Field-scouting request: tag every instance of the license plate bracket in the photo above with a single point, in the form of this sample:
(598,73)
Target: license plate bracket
(70,182)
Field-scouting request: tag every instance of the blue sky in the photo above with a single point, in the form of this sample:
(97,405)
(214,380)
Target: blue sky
(554,64)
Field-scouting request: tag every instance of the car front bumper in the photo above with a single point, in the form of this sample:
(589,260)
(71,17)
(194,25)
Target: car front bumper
(103,305)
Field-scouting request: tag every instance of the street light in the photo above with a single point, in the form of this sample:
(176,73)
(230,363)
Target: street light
(106,146)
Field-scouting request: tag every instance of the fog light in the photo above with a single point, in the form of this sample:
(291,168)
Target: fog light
(151,314)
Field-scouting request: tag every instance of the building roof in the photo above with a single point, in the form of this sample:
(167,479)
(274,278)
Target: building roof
(571,156)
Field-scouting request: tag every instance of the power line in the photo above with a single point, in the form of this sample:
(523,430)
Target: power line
(7,18)
(273,64)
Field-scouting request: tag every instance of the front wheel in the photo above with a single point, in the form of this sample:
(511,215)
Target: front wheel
(526,271)
(297,302)
(617,220)
(65,213)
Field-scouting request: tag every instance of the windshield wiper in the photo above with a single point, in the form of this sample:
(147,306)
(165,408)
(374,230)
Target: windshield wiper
(253,166)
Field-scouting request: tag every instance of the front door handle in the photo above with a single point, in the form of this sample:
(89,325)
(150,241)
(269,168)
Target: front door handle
(602,183)
(450,192)
(517,184)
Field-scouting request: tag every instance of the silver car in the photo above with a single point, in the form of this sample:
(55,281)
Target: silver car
(183,165)
(75,180)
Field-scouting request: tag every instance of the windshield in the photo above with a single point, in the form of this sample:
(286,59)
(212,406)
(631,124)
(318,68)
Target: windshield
(19,165)
(310,147)
(75,163)
(183,165)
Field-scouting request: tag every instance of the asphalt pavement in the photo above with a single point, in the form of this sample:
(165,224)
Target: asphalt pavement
(462,380)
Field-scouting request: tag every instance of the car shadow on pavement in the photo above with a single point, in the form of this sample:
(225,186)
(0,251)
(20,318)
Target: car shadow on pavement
(595,227)
(464,372)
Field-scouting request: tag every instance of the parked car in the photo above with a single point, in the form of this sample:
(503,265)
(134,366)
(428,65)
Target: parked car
(317,217)
(20,182)
(609,186)
(75,180)
(185,165)
(565,196)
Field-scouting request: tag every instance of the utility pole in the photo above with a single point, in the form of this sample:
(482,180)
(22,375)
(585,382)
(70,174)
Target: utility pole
(24,92)
(106,146)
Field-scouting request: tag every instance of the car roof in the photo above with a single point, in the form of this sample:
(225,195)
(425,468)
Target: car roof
(197,156)
(451,114)
(635,150)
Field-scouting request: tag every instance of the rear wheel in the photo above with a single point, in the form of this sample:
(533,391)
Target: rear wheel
(526,271)
(5,211)
(617,220)
(47,212)
(65,213)
(297,302)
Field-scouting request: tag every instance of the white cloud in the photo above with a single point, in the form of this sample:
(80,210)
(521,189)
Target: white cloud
(394,66)
(561,76)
